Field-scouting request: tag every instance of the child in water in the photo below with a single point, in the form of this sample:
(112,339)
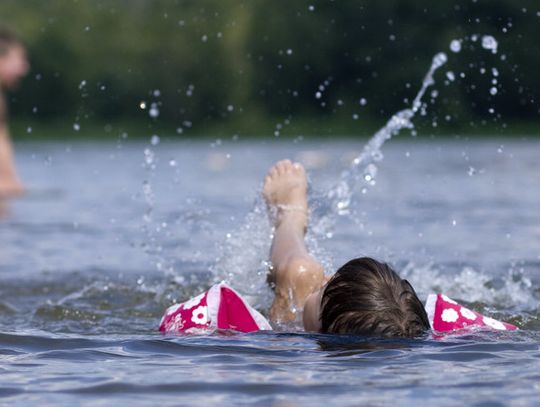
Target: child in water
(363,297)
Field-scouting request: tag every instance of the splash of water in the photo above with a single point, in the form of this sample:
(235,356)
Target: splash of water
(513,290)
(341,195)
(243,259)
(247,271)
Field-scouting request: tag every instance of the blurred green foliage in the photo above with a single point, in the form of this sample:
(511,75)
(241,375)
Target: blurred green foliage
(234,64)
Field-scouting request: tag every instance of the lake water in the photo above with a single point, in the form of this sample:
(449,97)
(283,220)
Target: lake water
(110,235)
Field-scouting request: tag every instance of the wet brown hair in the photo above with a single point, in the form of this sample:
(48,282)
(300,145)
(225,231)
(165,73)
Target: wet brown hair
(8,39)
(366,297)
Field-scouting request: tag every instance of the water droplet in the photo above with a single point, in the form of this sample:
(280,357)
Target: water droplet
(362,101)
(450,75)
(377,155)
(76,126)
(491,110)
(154,140)
(289,51)
(495,72)
(318,95)
(439,60)
(149,160)
(455,46)
(493,91)
(454,223)
(154,111)
(172,162)
(230,108)
(204,38)
(179,130)
(156,93)
(489,43)
(500,150)
(29,129)
(82,84)
(370,173)
(142,105)
(355,116)
(311,8)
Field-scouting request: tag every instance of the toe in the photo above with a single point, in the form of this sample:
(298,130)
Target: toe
(299,167)
(267,180)
(273,172)
(284,165)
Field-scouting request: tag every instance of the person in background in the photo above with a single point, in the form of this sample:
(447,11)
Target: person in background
(13,67)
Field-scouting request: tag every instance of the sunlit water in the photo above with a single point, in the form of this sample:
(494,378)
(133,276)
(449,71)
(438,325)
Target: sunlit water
(105,240)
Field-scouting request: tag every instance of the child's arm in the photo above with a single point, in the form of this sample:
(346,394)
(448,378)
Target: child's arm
(295,274)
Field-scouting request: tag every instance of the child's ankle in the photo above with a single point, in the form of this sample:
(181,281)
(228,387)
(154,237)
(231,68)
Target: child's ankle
(292,216)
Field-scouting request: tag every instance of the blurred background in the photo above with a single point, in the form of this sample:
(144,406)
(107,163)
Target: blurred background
(255,68)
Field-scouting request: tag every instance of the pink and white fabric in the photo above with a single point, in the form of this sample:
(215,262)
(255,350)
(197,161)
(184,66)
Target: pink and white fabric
(218,308)
(446,315)
(221,307)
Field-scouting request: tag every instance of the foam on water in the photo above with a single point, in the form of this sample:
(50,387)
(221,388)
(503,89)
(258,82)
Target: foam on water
(513,290)
(243,260)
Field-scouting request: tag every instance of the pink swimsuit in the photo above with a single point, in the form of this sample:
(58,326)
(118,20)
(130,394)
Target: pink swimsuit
(223,308)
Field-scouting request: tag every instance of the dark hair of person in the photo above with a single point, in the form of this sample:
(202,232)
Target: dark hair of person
(8,39)
(366,297)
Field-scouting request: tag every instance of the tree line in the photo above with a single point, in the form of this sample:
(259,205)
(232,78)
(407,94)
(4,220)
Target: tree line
(193,63)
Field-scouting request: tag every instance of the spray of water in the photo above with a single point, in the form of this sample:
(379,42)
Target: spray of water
(243,260)
(363,168)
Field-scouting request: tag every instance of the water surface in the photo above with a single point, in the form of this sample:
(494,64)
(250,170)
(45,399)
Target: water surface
(109,236)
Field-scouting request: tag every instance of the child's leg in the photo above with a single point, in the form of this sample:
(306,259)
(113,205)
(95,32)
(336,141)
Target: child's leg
(295,273)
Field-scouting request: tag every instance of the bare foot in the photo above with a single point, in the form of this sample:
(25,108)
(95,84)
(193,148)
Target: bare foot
(285,192)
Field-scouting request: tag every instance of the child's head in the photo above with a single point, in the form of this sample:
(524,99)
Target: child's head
(367,297)
(13,62)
